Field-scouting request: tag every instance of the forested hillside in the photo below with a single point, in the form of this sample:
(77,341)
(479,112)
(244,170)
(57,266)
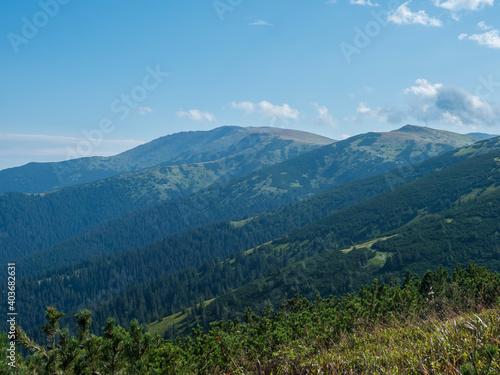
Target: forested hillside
(339,272)
(439,323)
(261,191)
(449,237)
(165,290)
(254,240)
(34,222)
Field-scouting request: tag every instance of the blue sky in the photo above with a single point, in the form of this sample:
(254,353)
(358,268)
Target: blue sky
(84,78)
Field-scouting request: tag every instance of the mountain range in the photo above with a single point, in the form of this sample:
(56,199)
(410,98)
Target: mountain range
(81,218)
(199,147)
(215,156)
(246,218)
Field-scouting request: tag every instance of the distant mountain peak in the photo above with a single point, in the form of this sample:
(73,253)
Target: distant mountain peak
(483,135)
(424,131)
(175,149)
(413,129)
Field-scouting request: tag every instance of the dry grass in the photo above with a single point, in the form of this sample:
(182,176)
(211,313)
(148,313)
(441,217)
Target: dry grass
(460,345)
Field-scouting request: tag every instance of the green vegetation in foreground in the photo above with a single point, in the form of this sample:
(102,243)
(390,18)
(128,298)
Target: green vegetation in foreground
(437,324)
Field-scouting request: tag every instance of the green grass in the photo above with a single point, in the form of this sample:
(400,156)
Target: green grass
(378,261)
(162,326)
(366,245)
(177,320)
(460,345)
(241,223)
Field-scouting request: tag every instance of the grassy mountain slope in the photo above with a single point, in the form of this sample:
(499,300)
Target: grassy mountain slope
(168,290)
(264,190)
(354,158)
(176,149)
(32,222)
(433,235)
(97,280)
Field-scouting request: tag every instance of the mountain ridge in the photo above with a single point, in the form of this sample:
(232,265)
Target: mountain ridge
(61,214)
(226,238)
(484,135)
(271,187)
(447,233)
(175,149)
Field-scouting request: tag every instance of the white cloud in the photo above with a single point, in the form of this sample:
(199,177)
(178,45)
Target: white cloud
(196,115)
(248,107)
(404,16)
(324,116)
(439,103)
(458,5)
(429,102)
(268,109)
(386,114)
(483,26)
(364,2)
(363,109)
(424,88)
(37,137)
(490,38)
(260,23)
(278,111)
(145,110)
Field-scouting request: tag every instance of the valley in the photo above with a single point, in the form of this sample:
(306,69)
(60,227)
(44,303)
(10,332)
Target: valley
(180,247)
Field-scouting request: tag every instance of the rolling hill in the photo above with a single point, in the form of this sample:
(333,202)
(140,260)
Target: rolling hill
(164,287)
(483,135)
(32,222)
(177,149)
(411,227)
(414,234)
(264,190)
